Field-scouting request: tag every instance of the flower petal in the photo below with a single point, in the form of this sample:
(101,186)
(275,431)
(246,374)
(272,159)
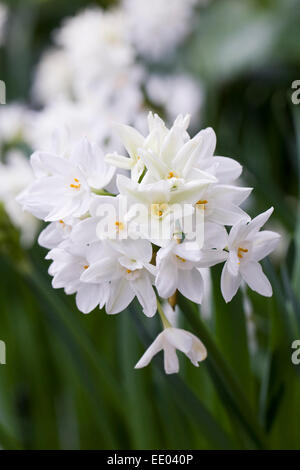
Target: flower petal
(254,276)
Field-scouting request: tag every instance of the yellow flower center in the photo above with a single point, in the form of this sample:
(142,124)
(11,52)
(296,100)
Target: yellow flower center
(241,251)
(172,174)
(119,226)
(159,209)
(202,202)
(86,266)
(75,185)
(181,259)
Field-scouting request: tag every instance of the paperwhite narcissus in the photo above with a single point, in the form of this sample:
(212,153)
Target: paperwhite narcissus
(168,222)
(169,340)
(246,247)
(177,269)
(64,186)
(69,262)
(155,208)
(125,265)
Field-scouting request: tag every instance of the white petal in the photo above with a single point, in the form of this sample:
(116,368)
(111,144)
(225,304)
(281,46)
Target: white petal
(88,297)
(153,349)
(119,161)
(103,270)
(120,296)
(231,215)
(50,237)
(229,284)
(167,278)
(131,139)
(208,143)
(256,224)
(254,276)
(146,296)
(190,284)
(85,231)
(171,145)
(228,169)
(171,362)
(210,258)
(264,243)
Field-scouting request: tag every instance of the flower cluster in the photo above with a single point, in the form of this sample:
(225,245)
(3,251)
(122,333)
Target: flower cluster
(144,242)
(107,74)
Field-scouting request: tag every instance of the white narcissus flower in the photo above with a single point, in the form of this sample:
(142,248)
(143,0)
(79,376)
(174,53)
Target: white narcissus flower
(225,169)
(102,31)
(69,262)
(170,340)
(56,232)
(155,28)
(220,203)
(167,154)
(180,197)
(246,247)
(53,77)
(63,187)
(177,269)
(108,221)
(125,265)
(155,208)
(177,93)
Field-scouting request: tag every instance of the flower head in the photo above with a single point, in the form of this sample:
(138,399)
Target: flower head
(169,340)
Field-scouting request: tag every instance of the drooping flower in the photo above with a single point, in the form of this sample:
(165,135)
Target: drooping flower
(169,340)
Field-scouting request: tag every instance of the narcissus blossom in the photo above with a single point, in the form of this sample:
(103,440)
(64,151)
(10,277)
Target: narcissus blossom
(169,220)
(247,245)
(170,340)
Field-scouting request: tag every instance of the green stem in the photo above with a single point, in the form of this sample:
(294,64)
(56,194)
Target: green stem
(164,320)
(101,192)
(227,385)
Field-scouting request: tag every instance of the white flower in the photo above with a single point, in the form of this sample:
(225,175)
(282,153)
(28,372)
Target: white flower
(166,154)
(176,94)
(14,123)
(15,175)
(64,186)
(87,38)
(156,207)
(55,233)
(53,77)
(126,267)
(177,269)
(225,169)
(157,27)
(107,221)
(246,247)
(221,202)
(170,340)
(69,262)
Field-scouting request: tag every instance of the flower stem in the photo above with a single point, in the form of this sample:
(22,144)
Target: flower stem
(164,320)
(101,192)
(226,382)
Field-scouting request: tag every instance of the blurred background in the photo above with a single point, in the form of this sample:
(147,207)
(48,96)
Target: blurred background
(69,381)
